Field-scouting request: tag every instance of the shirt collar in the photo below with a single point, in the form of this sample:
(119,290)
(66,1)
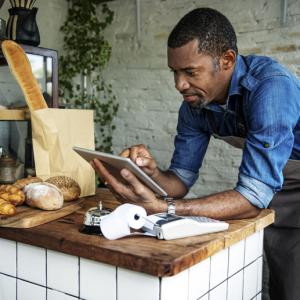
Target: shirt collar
(240,70)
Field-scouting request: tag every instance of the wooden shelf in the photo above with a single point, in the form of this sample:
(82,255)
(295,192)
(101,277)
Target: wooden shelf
(14,115)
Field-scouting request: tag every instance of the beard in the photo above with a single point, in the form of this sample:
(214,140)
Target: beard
(199,104)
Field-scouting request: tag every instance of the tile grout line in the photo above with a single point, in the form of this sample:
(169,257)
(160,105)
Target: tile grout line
(46,270)
(116,283)
(16,270)
(79,277)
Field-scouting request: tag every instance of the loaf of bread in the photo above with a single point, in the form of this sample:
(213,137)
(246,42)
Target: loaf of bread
(21,69)
(68,186)
(6,208)
(43,195)
(21,183)
(12,194)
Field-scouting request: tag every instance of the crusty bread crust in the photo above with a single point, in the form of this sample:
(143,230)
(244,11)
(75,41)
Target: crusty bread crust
(21,69)
(43,195)
(21,183)
(68,186)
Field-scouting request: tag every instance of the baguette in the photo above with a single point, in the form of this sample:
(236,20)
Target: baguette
(21,183)
(21,69)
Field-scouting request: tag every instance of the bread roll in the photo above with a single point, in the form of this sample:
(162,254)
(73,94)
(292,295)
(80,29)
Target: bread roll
(21,183)
(21,69)
(12,194)
(6,208)
(68,186)
(43,195)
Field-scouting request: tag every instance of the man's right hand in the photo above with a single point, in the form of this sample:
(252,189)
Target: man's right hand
(142,157)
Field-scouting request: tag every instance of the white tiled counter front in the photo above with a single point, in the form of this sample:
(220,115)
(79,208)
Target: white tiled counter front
(222,266)
(34,273)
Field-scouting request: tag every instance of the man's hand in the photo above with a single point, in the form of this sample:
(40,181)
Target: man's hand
(135,192)
(142,157)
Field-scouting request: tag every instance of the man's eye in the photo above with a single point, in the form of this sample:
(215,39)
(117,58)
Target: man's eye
(191,73)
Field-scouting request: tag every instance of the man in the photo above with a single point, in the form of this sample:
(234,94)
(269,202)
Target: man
(250,102)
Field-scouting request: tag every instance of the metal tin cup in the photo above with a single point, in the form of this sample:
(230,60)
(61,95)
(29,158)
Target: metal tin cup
(7,169)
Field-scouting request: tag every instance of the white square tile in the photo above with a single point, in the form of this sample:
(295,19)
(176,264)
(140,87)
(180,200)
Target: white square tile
(258,297)
(205,297)
(55,295)
(260,243)
(250,281)
(29,291)
(235,286)
(136,286)
(199,279)
(97,280)
(7,287)
(34,259)
(62,272)
(236,257)
(8,250)
(219,292)
(218,268)
(175,287)
(251,248)
(259,274)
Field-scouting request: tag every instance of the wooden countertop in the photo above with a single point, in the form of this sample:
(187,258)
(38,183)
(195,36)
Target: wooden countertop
(138,253)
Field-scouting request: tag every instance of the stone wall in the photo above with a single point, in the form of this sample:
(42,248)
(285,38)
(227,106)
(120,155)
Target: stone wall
(144,86)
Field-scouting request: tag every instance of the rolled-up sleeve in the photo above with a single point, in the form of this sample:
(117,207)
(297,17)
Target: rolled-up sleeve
(256,192)
(187,177)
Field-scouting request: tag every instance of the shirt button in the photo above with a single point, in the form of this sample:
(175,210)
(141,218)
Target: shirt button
(266,145)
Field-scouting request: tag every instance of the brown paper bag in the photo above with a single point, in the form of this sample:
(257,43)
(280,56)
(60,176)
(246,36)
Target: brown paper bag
(54,133)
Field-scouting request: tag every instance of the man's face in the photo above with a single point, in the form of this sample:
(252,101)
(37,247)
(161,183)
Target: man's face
(198,77)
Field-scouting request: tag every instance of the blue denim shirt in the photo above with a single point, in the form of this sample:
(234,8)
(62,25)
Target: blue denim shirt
(264,107)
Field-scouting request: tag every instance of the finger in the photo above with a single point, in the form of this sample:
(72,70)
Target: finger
(94,167)
(104,174)
(120,190)
(125,153)
(146,162)
(138,187)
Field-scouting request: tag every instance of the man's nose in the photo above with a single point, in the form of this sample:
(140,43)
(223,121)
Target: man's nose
(181,83)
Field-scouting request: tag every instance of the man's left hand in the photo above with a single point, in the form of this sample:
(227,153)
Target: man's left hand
(135,192)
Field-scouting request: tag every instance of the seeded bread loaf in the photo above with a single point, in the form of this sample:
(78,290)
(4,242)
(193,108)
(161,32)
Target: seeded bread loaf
(68,186)
(21,69)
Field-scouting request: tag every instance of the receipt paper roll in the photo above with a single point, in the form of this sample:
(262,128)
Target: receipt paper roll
(118,223)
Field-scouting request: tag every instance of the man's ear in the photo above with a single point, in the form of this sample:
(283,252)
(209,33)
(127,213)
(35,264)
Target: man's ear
(228,59)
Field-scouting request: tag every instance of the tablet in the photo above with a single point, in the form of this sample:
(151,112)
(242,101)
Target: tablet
(116,163)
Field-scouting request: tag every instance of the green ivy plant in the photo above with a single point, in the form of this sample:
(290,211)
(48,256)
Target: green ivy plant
(86,52)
